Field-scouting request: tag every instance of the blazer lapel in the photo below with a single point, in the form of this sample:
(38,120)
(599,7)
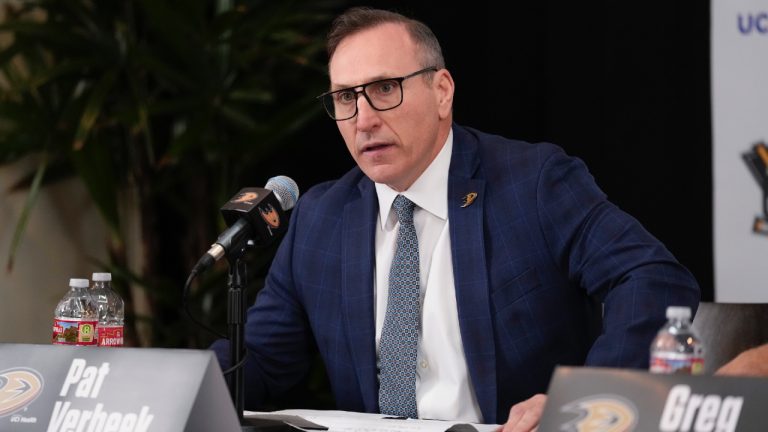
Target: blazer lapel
(357,249)
(465,214)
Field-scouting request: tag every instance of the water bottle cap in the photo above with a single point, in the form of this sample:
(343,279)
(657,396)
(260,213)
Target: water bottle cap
(79,283)
(102,277)
(678,312)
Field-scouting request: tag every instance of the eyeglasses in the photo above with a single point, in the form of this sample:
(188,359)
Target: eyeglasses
(382,95)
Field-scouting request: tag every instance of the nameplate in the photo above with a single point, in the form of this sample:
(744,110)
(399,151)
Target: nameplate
(57,388)
(603,399)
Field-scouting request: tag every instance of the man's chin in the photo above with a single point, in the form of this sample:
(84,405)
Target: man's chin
(380,175)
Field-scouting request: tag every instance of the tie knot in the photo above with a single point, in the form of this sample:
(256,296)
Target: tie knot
(404,209)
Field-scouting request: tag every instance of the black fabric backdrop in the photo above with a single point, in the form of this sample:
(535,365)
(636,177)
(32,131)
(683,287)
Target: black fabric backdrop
(622,85)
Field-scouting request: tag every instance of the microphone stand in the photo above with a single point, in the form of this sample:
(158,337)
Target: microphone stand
(236,309)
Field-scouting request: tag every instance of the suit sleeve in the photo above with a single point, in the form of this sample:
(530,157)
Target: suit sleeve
(607,253)
(277,335)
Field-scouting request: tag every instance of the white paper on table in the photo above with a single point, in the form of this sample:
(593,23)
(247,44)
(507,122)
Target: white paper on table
(346,421)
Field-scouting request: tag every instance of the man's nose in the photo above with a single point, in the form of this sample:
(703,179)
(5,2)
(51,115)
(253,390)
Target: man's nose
(367,116)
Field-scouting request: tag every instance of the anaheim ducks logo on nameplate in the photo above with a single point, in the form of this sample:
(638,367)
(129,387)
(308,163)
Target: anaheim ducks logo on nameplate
(601,413)
(270,216)
(18,388)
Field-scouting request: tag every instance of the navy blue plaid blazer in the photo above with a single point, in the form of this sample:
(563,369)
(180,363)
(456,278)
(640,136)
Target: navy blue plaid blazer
(547,272)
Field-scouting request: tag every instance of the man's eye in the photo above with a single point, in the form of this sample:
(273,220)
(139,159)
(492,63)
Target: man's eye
(386,87)
(345,97)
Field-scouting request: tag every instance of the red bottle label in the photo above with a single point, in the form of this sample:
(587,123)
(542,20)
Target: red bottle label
(111,336)
(72,331)
(677,363)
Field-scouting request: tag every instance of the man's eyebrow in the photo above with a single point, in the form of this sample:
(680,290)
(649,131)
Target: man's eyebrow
(336,86)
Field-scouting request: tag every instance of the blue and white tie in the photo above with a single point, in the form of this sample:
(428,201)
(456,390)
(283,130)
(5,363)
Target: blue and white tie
(400,334)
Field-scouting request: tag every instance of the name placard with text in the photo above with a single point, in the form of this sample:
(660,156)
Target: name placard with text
(603,399)
(56,388)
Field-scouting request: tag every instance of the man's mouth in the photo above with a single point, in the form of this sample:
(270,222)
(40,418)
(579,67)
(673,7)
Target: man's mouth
(374,147)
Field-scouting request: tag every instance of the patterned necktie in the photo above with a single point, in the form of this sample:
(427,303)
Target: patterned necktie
(400,334)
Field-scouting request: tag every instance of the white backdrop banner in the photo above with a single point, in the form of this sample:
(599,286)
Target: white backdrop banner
(740,155)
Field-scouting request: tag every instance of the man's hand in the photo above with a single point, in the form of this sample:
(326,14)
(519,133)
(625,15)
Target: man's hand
(525,416)
(752,362)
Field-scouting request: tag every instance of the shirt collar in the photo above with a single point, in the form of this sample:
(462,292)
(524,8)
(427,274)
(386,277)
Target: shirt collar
(429,191)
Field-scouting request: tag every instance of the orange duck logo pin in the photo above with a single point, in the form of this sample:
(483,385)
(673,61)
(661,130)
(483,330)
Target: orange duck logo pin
(468,199)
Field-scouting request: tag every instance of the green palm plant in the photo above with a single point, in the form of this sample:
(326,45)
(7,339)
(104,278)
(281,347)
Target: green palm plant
(168,101)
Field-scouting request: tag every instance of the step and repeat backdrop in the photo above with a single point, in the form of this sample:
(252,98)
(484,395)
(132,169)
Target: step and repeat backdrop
(740,149)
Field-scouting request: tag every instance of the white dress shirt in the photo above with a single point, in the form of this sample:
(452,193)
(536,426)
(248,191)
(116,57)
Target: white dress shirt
(443,386)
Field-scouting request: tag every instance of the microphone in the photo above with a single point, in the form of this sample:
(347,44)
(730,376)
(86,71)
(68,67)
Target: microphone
(254,216)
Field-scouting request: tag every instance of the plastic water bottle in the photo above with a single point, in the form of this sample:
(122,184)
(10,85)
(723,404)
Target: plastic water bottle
(111,310)
(76,316)
(677,349)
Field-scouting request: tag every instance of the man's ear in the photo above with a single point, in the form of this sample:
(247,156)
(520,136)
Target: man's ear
(443,82)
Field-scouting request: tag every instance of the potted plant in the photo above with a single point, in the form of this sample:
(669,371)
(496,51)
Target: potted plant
(164,105)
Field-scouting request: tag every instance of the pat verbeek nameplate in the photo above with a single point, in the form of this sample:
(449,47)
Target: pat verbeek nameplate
(621,400)
(56,388)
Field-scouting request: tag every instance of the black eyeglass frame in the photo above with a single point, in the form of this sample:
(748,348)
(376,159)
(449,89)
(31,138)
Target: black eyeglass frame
(323,97)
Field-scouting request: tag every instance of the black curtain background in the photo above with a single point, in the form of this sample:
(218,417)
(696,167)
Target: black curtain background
(622,85)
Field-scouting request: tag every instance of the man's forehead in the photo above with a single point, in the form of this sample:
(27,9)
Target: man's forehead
(384,51)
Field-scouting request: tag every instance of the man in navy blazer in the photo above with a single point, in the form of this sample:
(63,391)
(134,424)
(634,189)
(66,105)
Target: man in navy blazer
(545,271)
